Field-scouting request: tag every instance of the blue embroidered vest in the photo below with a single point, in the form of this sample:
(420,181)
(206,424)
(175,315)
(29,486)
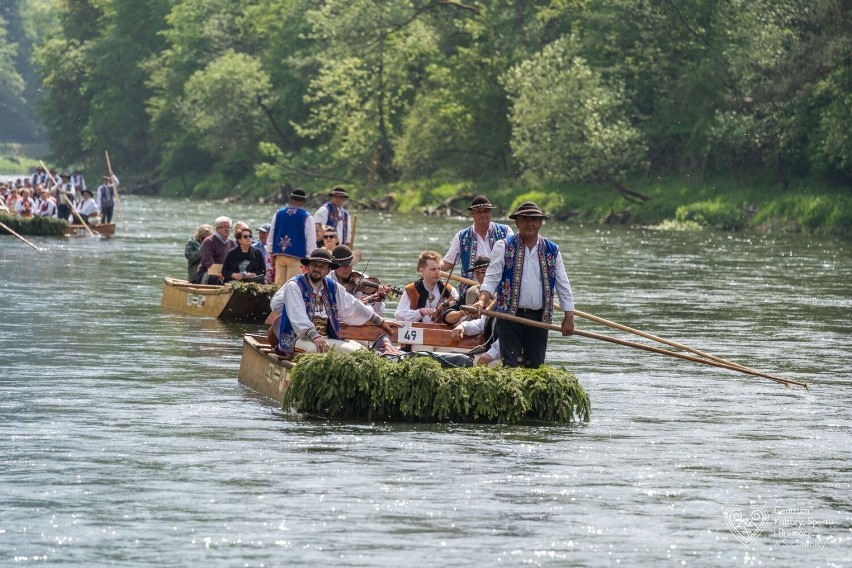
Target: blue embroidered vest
(328,296)
(289,237)
(509,289)
(336,215)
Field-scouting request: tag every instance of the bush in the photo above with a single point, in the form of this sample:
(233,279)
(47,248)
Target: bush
(364,386)
(712,215)
(45,226)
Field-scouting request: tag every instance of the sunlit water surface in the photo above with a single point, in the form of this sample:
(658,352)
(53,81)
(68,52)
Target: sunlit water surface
(125,438)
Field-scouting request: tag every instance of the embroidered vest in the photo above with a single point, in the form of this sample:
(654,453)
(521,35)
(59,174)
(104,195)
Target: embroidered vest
(418,295)
(328,296)
(289,237)
(336,215)
(509,288)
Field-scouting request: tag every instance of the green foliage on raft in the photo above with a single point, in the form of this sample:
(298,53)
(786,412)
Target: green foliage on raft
(252,288)
(45,226)
(362,386)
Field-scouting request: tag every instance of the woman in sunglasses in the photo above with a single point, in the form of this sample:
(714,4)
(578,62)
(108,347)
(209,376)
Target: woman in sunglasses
(244,263)
(329,238)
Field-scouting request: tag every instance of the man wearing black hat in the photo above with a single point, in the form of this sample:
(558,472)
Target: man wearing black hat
(346,259)
(334,215)
(312,306)
(293,234)
(476,240)
(87,208)
(525,271)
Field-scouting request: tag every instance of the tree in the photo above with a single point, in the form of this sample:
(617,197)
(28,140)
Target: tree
(568,124)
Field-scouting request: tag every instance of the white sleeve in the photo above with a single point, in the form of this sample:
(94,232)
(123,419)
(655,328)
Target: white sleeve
(321,216)
(270,238)
(350,309)
(495,269)
(295,306)
(473,327)
(563,286)
(404,312)
(310,234)
(454,251)
(494,350)
(277,301)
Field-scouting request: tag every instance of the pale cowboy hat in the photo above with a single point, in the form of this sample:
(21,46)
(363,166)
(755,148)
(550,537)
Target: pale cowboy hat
(320,255)
(299,193)
(345,256)
(339,192)
(528,209)
(480,202)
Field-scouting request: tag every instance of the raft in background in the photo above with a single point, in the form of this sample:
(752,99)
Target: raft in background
(233,301)
(79,230)
(40,226)
(363,386)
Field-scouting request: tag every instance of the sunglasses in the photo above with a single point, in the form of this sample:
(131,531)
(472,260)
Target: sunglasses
(329,236)
(245,236)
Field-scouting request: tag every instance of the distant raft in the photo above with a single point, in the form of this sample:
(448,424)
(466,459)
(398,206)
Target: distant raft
(239,301)
(364,386)
(43,226)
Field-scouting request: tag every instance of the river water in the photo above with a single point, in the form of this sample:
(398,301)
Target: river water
(125,438)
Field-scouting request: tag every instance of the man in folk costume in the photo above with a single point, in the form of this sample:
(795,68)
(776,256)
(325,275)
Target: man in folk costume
(66,197)
(424,298)
(312,307)
(334,215)
(78,180)
(525,271)
(292,234)
(87,208)
(106,198)
(476,240)
(346,259)
(46,204)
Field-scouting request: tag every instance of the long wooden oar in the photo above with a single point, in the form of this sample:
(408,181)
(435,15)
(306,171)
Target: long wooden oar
(114,180)
(640,333)
(68,201)
(5,226)
(352,236)
(551,327)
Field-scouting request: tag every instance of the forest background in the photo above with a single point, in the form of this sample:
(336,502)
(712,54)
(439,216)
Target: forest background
(722,113)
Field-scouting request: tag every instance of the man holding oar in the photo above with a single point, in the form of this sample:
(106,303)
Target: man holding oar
(525,271)
(476,240)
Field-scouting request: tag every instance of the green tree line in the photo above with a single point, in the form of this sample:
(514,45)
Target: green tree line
(237,97)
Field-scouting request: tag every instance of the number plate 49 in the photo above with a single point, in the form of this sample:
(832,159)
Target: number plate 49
(409,335)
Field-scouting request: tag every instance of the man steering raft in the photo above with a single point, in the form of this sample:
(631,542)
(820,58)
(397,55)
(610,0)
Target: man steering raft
(525,271)
(312,306)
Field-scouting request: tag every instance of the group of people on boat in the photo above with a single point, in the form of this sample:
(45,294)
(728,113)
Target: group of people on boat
(62,196)
(310,257)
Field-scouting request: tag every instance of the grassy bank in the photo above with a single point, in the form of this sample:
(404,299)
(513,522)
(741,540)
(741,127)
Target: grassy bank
(807,206)
(17,159)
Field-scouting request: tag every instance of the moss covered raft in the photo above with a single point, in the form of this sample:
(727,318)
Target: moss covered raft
(363,386)
(45,226)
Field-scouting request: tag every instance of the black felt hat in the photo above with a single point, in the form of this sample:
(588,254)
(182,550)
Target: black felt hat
(528,209)
(345,256)
(339,192)
(320,255)
(480,202)
(299,194)
(481,262)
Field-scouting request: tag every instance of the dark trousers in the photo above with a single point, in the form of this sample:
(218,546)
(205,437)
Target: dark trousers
(63,210)
(106,214)
(522,345)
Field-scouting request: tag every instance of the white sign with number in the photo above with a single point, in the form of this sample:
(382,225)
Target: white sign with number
(409,335)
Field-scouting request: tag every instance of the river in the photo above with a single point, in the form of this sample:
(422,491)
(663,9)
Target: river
(125,438)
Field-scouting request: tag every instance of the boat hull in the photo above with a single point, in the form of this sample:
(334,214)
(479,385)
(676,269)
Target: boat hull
(78,230)
(222,302)
(262,371)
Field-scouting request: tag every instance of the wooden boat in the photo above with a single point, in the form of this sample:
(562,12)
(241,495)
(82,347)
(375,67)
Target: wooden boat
(228,302)
(266,373)
(79,230)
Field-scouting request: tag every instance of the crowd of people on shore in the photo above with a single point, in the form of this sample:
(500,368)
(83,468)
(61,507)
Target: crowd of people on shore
(59,195)
(311,258)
